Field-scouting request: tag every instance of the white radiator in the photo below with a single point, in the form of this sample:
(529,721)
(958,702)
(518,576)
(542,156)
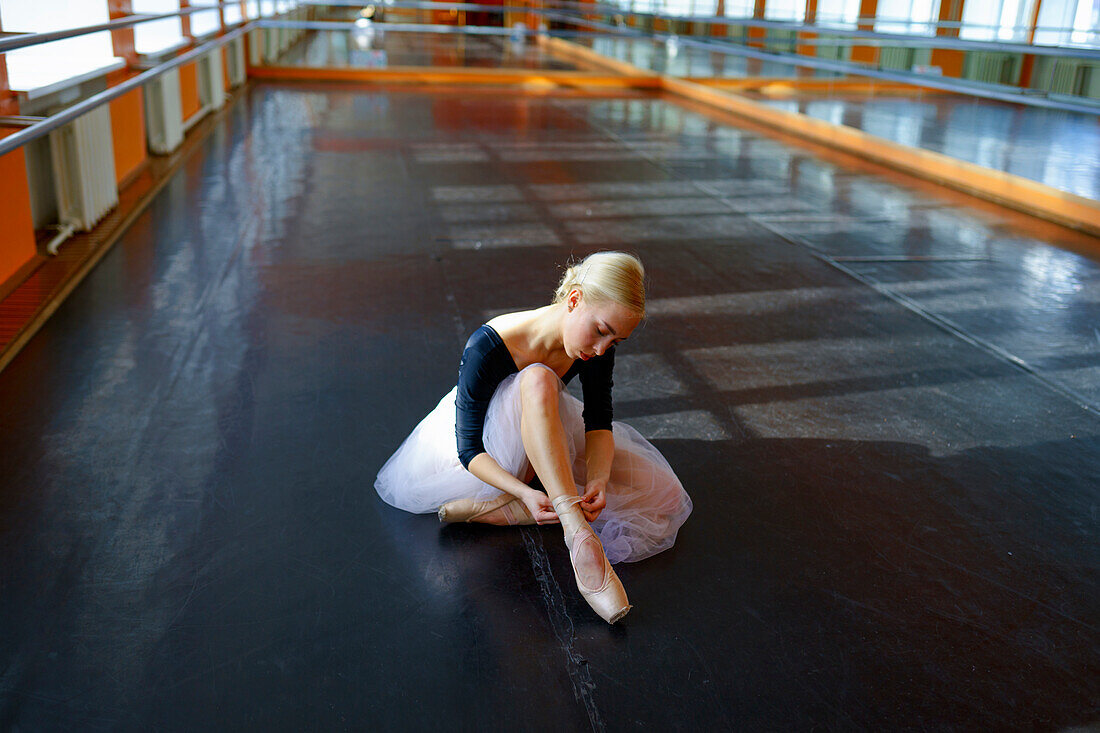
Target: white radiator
(272,44)
(164,113)
(211,80)
(83,156)
(256,40)
(234,57)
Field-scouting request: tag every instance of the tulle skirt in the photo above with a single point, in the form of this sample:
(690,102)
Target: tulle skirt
(646,503)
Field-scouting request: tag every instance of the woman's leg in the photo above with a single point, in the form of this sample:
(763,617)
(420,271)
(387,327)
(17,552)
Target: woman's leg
(547,450)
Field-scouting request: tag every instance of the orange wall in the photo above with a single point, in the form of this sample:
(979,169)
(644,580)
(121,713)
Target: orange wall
(189,90)
(17,234)
(948,59)
(128,133)
(866,54)
(808,49)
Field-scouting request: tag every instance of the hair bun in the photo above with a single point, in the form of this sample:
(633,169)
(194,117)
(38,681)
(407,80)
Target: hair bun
(613,276)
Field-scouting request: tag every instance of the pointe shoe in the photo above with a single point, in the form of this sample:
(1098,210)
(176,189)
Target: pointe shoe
(609,600)
(512,509)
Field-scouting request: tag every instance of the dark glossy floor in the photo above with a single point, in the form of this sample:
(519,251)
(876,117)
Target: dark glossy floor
(1060,149)
(377,47)
(885,405)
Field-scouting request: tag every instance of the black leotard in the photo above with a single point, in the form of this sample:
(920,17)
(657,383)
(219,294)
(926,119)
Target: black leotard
(486,361)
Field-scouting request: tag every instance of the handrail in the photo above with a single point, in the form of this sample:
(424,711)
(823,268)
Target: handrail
(51,123)
(899,39)
(909,40)
(991,91)
(344,25)
(46,125)
(33,39)
(950,84)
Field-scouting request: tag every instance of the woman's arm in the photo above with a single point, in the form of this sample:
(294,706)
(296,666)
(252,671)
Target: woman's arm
(599,443)
(599,450)
(486,468)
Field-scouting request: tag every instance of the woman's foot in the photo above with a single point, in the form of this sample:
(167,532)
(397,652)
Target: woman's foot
(502,511)
(596,580)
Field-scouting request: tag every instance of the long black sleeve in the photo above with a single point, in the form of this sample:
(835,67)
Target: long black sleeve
(485,363)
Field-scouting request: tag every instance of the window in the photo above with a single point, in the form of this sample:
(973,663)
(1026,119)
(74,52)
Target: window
(252,8)
(997,20)
(1066,23)
(232,13)
(911,17)
(48,63)
(842,13)
(740,8)
(156,35)
(791,10)
(705,8)
(204,22)
(678,8)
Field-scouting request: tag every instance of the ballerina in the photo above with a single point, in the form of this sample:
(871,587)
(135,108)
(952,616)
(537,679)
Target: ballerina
(509,419)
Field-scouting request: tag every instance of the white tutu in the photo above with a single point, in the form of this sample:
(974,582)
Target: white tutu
(646,503)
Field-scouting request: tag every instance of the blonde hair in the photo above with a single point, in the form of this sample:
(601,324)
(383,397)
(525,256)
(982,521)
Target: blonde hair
(616,277)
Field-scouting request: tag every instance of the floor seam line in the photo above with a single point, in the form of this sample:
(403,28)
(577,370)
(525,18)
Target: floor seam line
(576,666)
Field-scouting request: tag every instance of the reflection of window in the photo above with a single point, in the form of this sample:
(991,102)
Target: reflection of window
(48,63)
(232,13)
(680,8)
(705,8)
(907,16)
(997,20)
(793,10)
(1069,23)
(739,8)
(204,22)
(156,35)
(843,13)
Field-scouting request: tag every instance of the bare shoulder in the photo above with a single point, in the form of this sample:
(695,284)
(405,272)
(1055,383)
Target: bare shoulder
(510,325)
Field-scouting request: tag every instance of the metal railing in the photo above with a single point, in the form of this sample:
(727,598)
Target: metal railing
(570,13)
(51,123)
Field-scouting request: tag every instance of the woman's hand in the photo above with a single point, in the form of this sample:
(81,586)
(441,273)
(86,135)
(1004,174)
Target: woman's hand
(594,499)
(540,507)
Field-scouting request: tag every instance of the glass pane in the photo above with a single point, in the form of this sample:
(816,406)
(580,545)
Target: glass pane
(48,63)
(679,8)
(739,8)
(907,16)
(705,8)
(205,22)
(980,20)
(1055,18)
(1015,19)
(1086,23)
(843,13)
(793,10)
(156,35)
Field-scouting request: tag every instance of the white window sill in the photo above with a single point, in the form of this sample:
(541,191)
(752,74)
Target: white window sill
(72,81)
(206,36)
(149,59)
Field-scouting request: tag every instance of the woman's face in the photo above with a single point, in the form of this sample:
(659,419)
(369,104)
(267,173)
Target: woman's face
(591,328)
